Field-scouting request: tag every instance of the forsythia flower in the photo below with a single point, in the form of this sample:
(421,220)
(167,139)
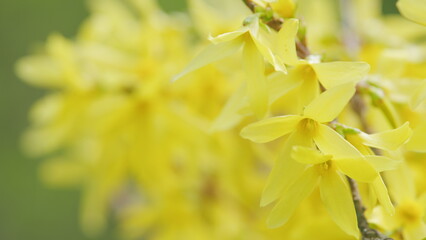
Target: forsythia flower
(306,129)
(146,150)
(410,208)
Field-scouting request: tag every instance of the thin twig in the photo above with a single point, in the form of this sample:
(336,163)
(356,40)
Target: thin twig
(367,232)
(250,4)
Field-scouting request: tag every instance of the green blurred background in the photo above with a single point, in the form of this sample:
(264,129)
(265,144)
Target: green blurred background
(28,210)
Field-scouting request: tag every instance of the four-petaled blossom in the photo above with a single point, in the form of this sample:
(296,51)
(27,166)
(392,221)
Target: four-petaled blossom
(309,130)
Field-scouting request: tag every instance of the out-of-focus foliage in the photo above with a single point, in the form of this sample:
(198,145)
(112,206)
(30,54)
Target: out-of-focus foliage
(153,138)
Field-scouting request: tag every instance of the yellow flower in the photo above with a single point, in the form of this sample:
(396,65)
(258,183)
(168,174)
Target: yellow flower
(334,189)
(285,8)
(388,141)
(305,76)
(305,129)
(409,219)
(292,179)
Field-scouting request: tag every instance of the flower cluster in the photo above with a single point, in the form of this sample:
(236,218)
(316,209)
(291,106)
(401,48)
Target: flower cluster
(315,110)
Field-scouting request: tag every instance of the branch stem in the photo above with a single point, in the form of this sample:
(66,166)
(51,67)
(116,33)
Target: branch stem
(367,232)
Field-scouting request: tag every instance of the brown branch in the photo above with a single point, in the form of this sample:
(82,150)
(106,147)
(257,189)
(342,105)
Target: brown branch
(367,232)
(250,4)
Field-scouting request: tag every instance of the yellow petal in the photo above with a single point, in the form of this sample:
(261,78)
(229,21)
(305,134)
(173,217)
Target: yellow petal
(336,196)
(388,140)
(419,95)
(383,195)
(414,231)
(328,105)
(210,54)
(307,155)
(231,114)
(357,168)
(285,8)
(330,142)
(286,44)
(285,170)
(229,36)
(418,139)
(401,183)
(280,84)
(382,163)
(263,41)
(59,172)
(413,9)
(308,91)
(254,68)
(309,88)
(332,74)
(40,71)
(270,129)
(291,198)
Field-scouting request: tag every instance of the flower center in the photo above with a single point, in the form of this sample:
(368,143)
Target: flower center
(307,72)
(409,212)
(308,126)
(324,167)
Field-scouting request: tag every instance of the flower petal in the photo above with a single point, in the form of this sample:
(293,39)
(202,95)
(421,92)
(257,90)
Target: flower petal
(210,54)
(298,191)
(419,95)
(418,139)
(413,9)
(270,129)
(382,163)
(41,71)
(285,170)
(229,36)
(383,195)
(280,84)
(332,74)
(400,183)
(254,68)
(263,41)
(286,44)
(307,155)
(336,196)
(415,231)
(309,90)
(357,168)
(328,105)
(231,113)
(330,142)
(388,140)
